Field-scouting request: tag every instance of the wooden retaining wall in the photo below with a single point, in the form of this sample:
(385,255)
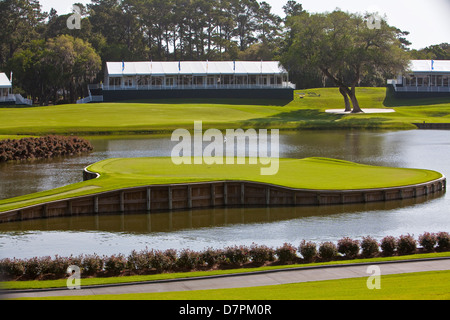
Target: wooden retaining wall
(159,198)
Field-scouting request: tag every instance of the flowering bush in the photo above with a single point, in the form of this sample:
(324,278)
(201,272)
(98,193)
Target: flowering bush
(12,267)
(443,240)
(308,250)
(115,264)
(189,259)
(369,247)
(286,253)
(348,247)
(388,245)
(212,257)
(165,261)
(428,241)
(406,244)
(261,254)
(328,250)
(236,255)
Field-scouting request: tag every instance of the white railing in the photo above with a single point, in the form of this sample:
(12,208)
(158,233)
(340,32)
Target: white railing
(285,85)
(23,100)
(421,89)
(84,100)
(8,98)
(16,99)
(89,99)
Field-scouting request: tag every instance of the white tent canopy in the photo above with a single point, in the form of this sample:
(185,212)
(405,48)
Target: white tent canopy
(435,66)
(201,68)
(4,82)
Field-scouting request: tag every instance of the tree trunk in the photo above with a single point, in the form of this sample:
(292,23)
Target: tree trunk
(348,107)
(355,103)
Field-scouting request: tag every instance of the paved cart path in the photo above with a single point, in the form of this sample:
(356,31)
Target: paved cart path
(263,278)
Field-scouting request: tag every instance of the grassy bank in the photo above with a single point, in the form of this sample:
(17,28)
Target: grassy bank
(310,173)
(165,116)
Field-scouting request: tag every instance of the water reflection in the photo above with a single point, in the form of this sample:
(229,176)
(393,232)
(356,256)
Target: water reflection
(145,223)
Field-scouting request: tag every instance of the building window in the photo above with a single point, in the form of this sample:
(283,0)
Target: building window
(170,82)
(114,82)
(128,82)
(211,81)
(157,81)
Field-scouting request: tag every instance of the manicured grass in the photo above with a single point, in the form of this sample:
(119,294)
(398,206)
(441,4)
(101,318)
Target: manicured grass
(409,286)
(310,173)
(12,137)
(46,284)
(165,116)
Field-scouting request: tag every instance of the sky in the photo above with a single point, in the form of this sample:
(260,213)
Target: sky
(427,20)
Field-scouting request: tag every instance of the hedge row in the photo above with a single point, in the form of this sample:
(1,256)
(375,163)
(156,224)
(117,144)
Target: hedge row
(156,261)
(42,148)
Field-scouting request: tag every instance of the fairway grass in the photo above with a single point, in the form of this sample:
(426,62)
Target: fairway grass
(166,116)
(309,174)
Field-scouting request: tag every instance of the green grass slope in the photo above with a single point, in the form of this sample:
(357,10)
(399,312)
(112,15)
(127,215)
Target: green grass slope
(165,116)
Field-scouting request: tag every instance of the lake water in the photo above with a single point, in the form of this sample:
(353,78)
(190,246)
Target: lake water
(199,229)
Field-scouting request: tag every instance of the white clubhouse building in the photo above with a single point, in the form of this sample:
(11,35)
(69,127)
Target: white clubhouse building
(425,78)
(194,79)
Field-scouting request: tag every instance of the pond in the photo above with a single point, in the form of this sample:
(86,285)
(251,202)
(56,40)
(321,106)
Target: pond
(217,228)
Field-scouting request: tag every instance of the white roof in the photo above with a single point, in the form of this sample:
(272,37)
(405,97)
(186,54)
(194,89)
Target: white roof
(4,81)
(430,66)
(161,68)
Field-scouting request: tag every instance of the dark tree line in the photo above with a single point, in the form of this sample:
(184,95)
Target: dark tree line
(52,62)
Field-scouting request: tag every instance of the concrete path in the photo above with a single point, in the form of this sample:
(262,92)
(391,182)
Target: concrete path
(263,278)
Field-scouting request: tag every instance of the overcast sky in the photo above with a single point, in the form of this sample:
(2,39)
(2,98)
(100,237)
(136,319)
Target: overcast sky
(427,20)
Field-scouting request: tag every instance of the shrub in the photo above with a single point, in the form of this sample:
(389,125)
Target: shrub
(428,241)
(32,267)
(211,257)
(443,241)
(369,247)
(308,250)
(115,264)
(172,256)
(388,245)
(137,260)
(12,267)
(57,266)
(327,250)
(286,253)
(348,247)
(188,259)
(42,148)
(160,260)
(91,264)
(406,244)
(236,254)
(261,253)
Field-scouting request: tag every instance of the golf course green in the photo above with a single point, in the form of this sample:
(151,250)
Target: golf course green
(309,174)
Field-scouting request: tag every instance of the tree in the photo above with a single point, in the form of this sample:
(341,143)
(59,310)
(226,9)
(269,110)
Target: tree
(436,52)
(59,65)
(345,49)
(19,20)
